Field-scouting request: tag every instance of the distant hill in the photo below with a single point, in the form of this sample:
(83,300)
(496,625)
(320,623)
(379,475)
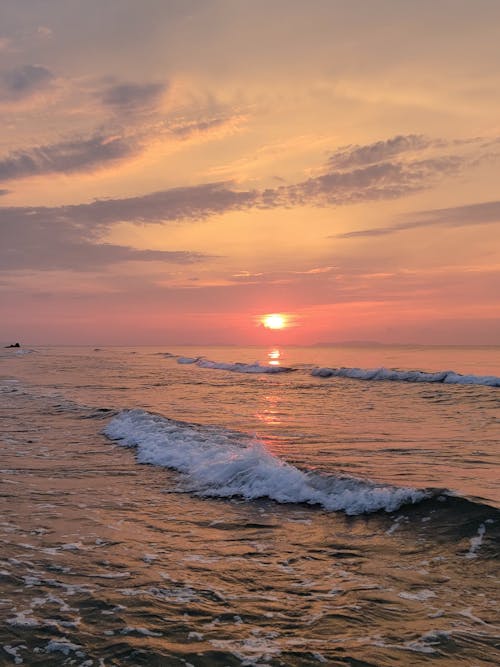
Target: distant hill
(354,343)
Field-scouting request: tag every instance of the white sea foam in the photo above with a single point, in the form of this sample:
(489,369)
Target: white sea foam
(446,377)
(220,463)
(140,631)
(421,595)
(238,367)
(397,375)
(476,541)
(23,619)
(187,360)
(235,367)
(63,646)
(14,651)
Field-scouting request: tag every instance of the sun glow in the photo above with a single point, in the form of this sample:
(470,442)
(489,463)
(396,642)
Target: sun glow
(274,321)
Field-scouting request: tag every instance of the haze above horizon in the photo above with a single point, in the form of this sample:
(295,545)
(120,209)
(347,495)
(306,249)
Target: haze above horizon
(186,170)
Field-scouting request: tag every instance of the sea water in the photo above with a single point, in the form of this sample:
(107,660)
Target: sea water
(249,506)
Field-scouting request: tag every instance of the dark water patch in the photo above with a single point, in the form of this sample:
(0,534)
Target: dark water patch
(466,532)
(455,515)
(219,525)
(99,413)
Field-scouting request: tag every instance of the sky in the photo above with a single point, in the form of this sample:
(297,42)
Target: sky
(171,171)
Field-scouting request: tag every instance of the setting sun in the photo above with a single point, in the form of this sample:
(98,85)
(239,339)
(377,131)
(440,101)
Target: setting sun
(274,321)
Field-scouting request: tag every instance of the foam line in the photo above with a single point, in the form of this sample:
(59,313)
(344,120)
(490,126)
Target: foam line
(445,377)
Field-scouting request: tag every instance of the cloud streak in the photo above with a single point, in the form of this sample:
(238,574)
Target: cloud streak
(384,180)
(51,244)
(186,129)
(104,148)
(76,231)
(349,157)
(59,254)
(67,156)
(58,238)
(188,203)
(458,216)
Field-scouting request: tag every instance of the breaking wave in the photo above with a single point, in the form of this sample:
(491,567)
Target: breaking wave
(236,367)
(445,377)
(391,374)
(220,463)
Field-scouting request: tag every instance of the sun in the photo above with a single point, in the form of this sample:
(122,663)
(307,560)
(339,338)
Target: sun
(274,321)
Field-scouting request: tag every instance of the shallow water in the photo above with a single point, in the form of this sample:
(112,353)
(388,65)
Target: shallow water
(106,561)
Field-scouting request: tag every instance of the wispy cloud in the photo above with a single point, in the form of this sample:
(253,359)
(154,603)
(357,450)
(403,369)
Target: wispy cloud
(76,231)
(351,156)
(104,148)
(69,237)
(52,243)
(132,97)
(22,82)
(189,203)
(458,216)
(385,180)
(320,273)
(61,254)
(67,156)
(186,129)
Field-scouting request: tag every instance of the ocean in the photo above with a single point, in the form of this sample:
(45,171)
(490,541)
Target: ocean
(229,506)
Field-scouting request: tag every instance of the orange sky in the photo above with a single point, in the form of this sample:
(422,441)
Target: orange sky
(171,170)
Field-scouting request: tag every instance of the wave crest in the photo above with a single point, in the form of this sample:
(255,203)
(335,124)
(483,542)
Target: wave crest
(445,377)
(397,375)
(220,463)
(235,367)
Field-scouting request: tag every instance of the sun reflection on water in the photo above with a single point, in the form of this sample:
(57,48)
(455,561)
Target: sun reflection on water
(270,414)
(274,357)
